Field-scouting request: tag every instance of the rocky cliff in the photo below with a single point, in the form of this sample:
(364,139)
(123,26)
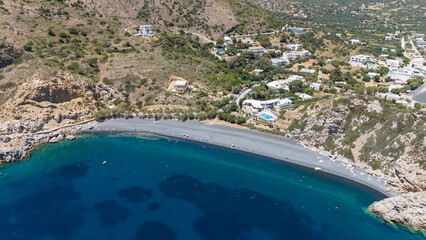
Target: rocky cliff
(408,210)
(361,131)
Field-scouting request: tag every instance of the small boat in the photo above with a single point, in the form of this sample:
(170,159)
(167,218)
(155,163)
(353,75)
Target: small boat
(317,168)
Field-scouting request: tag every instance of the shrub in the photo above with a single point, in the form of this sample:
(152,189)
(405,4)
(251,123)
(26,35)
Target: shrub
(73,31)
(107,81)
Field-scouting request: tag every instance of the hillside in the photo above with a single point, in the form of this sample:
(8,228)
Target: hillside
(360,130)
(384,15)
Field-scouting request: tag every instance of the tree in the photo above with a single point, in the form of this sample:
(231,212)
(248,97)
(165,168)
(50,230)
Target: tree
(335,64)
(383,71)
(377,78)
(29,46)
(396,91)
(406,60)
(50,32)
(371,90)
(296,86)
(308,91)
(220,42)
(73,31)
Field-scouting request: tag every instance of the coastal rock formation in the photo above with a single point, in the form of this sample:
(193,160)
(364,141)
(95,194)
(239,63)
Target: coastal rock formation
(359,132)
(18,146)
(408,210)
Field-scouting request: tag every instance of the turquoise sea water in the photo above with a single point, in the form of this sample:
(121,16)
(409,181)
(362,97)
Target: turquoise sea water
(120,186)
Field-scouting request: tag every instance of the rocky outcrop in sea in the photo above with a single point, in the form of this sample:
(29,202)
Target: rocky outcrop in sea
(18,146)
(407,209)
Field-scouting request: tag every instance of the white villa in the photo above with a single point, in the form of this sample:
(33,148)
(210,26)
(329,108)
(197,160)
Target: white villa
(304,96)
(278,61)
(360,60)
(261,105)
(248,41)
(146,31)
(277,85)
(228,40)
(315,86)
(293,55)
(295,47)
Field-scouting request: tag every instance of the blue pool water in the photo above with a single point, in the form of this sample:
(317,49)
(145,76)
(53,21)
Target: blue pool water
(296,30)
(266,116)
(143,187)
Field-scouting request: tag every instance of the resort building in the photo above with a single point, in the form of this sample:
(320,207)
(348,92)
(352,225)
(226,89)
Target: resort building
(261,105)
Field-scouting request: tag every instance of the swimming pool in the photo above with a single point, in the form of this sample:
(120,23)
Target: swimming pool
(266,116)
(296,30)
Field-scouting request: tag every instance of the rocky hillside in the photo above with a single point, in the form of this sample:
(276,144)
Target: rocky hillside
(361,131)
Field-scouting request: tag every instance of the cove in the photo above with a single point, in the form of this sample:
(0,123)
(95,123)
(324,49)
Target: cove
(135,186)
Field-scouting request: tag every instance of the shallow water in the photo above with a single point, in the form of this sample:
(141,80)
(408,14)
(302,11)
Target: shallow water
(120,186)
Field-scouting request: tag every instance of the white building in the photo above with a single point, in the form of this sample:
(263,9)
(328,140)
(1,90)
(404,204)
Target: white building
(293,78)
(293,55)
(266,104)
(316,86)
(146,31)
(277,85)
(307,71)
(392,64)
(394,86)
(401,75)
(354,41)
(294,47)
(248,41)
(372,75)
(228,40)
(257,50)
(304,96)
(360,60)
(258,71)
(278,61)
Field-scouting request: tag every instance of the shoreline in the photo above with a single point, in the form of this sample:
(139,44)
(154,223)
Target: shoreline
(249,141)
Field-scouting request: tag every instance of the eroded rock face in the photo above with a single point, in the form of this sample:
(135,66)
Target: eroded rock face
(8,54)
(408,210)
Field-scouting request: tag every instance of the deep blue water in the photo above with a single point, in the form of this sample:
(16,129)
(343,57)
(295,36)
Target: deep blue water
(143,187)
